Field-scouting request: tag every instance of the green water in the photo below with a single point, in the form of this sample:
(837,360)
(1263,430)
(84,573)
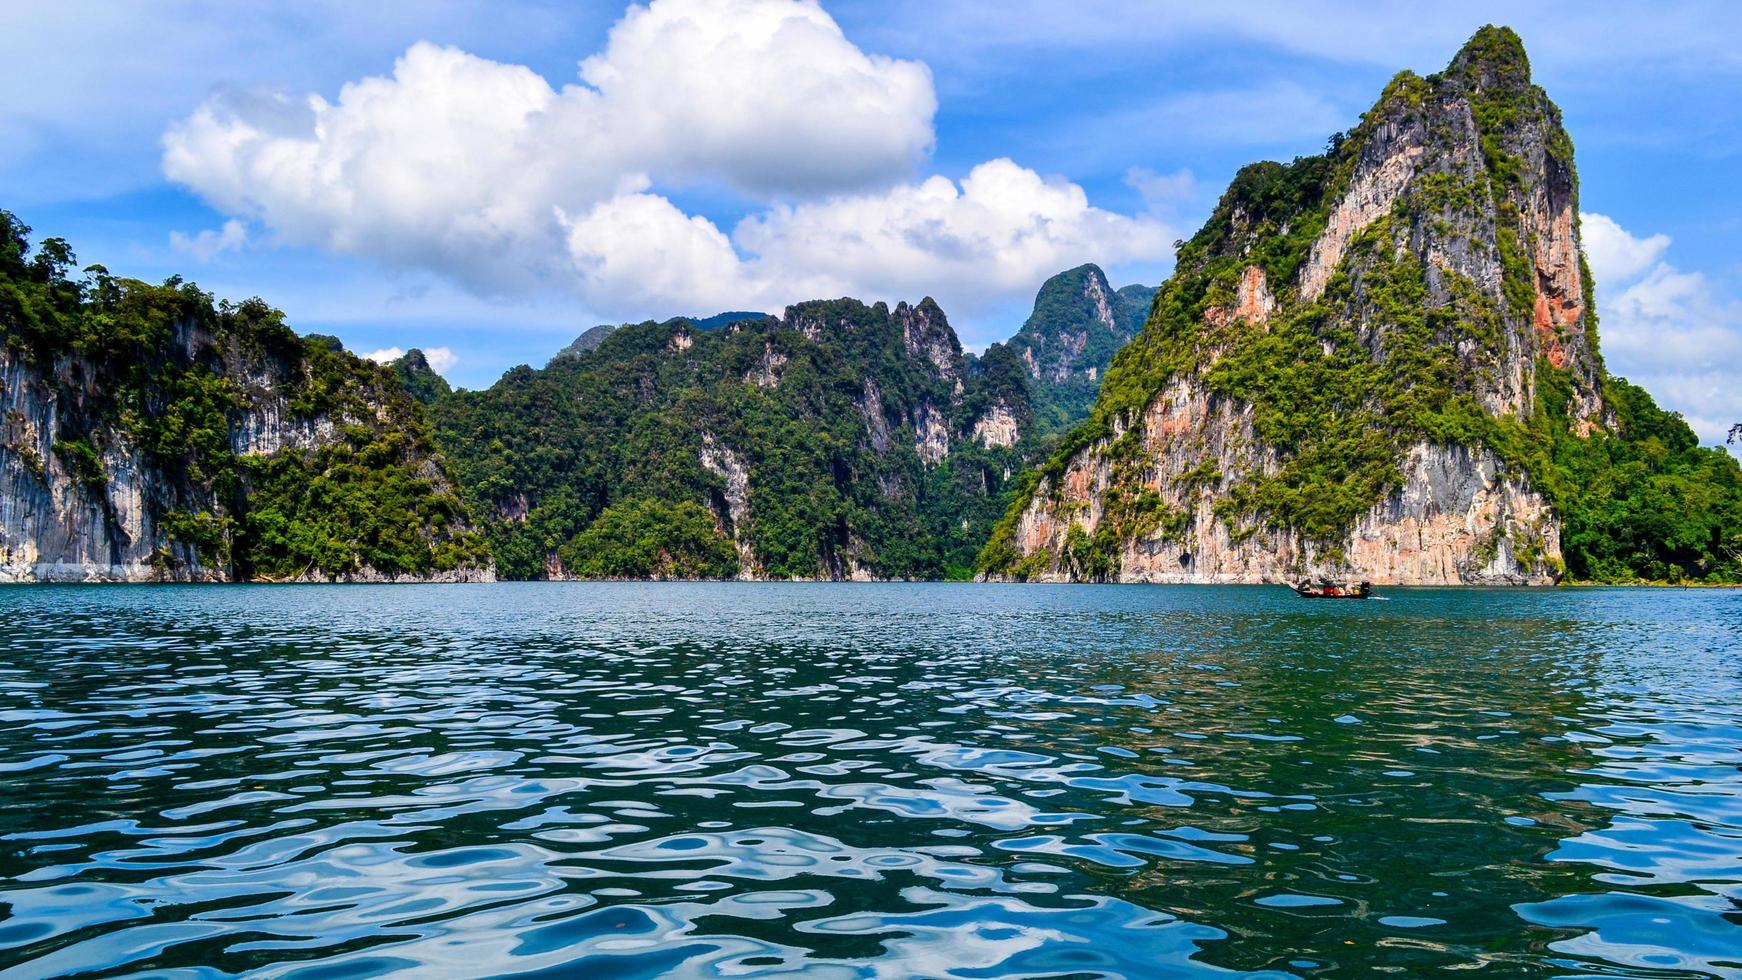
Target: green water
(856,781)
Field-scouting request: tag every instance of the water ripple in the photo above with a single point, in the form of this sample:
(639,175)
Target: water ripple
(737,780)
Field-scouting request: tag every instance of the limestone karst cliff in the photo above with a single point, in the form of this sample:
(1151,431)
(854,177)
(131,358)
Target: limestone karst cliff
(149,434)
(1379,362)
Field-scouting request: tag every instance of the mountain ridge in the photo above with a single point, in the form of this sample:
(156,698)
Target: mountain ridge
(1079,322)
(840,440)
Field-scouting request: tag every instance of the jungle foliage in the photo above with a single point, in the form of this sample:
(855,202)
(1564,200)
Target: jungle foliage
(169,380)
(797,437)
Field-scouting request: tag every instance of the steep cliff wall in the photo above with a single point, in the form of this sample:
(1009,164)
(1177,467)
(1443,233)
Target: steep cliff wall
(1359,367)
(150,435)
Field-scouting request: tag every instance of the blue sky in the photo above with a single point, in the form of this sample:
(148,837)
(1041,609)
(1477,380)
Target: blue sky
(464,183)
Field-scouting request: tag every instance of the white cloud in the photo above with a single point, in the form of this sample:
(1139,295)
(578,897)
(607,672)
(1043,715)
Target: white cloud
(441,359)
(211,242)
(1001,232)
(640,253)
(484,173)
(1674,333)
(459,164)
(1613,253)
(767,93)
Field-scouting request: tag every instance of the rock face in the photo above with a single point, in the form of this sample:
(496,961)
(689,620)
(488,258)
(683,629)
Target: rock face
(734,515)
(997,427)
(1079,322)
(1352,370)
(192,443)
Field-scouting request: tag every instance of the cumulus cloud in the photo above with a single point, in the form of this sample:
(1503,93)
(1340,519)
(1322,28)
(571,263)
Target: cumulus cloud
(767,93)
(640,252)
(441,359)
(1613,253)
(210,243)
(1673,332)
(484,173)
(459,164)
(1001,231)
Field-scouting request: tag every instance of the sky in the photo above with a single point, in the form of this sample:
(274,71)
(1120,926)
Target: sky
(487,180)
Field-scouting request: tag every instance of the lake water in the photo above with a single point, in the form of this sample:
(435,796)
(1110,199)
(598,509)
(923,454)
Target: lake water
(632,780)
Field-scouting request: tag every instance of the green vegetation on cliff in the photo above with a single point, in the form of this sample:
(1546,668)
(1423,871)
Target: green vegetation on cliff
(344,480)
(647,538)
(816,441)
(1079,322)
(1402,347)
(419,379)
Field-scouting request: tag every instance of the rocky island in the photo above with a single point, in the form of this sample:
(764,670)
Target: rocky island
(1382,363)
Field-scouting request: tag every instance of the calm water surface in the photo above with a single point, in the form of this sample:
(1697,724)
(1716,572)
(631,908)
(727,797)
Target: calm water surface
(868,781)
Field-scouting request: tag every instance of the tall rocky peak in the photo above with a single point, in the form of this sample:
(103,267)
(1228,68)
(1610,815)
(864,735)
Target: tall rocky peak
(1470,174)
(1357,365)
(925,332)
(1078,323)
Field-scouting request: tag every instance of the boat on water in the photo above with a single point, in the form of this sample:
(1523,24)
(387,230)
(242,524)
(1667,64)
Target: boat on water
(1325,589)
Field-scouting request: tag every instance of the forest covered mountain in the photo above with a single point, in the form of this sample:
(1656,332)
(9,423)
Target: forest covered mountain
(839,440)
(592,337)
(156,434)
(1382,362)
(150,433)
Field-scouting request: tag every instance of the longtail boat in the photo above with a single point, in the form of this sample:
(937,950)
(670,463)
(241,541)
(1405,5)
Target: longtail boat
(1333,590)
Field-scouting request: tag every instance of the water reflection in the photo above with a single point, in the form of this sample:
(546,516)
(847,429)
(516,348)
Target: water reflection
(740,780)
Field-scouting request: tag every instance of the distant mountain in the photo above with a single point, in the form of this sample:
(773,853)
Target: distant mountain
(839,440)
(418,378)
(588,341)
(594,336)
(1079,322)
(719,320)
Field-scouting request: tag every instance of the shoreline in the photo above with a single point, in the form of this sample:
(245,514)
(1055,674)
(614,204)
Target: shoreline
(398,581)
